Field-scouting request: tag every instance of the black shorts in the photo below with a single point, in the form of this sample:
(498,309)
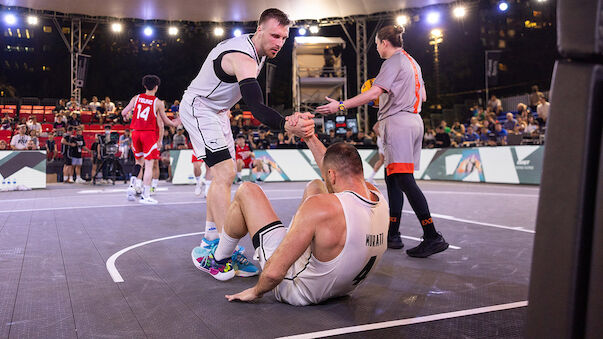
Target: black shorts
(67,161)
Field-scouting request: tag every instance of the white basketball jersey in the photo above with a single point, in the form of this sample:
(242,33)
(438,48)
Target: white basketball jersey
(212,87)
(310,281)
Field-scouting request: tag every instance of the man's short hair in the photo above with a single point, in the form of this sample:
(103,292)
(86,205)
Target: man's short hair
(149,81)
(344,158)
(274,13)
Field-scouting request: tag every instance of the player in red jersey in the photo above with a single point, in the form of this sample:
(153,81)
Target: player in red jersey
(245,158)
(147,125)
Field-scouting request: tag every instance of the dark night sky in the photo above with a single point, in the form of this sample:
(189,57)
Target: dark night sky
(119,62)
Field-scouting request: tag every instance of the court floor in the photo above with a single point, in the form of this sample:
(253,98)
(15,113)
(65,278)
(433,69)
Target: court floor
(81,261)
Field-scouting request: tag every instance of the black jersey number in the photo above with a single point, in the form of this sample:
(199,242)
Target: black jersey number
(365,270)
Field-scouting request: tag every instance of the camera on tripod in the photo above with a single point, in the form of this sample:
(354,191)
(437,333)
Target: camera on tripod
(109,145)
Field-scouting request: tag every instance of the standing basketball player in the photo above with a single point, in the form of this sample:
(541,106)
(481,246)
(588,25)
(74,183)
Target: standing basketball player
(227,75)
(147,134)
(401,128)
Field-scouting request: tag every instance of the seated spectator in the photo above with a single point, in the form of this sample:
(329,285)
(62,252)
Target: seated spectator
(444,125)
(261,142)
(166,143)
(361,140)
(100,113)
(31,145)
(33,124)
(334,137)
(280,142)
(523,111)
(481,114)
(471,138)
(94,104)
(74,119)
(33,134)
(543,110)
(485,136)
(495,104)
(457,132)
(23,121)
(59,125)
(475,124)
(179,140)
(85,105)
(532,128)
(511,123)
(109,106)
(3,145)
(349,136)
(165,164)
(501,135)
(61,106)
(51,148)
(175,107)
(429,138)
(236,111)
(7,123)
(442,139)
(19,141)
(73,105)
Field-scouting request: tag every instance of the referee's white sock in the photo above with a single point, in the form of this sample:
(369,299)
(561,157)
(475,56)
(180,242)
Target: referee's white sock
(226,246)
(154,183)
(198,179)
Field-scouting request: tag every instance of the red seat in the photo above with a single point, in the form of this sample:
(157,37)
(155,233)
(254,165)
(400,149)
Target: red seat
(94,127)
(29,107)
(86,117)
(6,133)
(47,128)
(38,111)
(118,127)
(49,108)
(48,117)
(24,115)
(38,108)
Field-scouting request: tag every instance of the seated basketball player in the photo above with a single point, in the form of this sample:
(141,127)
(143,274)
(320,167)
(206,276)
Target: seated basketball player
(336,237)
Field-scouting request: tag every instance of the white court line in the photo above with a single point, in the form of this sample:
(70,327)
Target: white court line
(484,193)
(133,204)
(114,190)
(449,217)
(410,321)
(111,261)
(419,240)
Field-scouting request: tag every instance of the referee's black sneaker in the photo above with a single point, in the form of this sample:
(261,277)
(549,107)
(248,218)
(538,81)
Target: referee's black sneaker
(428,247)
(394,241)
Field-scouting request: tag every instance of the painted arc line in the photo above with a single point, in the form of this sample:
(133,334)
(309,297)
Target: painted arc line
(410,321)
(111,261)
(449,217)
(419,240)
(484,193)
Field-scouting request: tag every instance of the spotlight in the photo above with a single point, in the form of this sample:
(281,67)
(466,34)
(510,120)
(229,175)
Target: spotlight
(32,20)
(402,20)
(148,31)
(436,33)
(503,6)
(237,32)
(433,18)
(459,12)
(10,19)
(173,30)
(116,27)
(301,31)
(314,29)
(218,31)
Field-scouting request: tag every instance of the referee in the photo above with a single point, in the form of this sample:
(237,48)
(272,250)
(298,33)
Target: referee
(401,91)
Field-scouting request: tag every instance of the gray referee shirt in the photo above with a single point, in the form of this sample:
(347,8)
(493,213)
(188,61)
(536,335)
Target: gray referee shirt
(401,78)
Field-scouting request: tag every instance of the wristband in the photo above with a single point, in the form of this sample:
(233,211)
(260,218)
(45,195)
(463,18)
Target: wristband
(341,106)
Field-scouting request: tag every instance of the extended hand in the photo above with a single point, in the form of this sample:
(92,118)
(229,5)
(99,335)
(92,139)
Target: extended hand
(294,118)
(176,122)
(247,295)
(331,107)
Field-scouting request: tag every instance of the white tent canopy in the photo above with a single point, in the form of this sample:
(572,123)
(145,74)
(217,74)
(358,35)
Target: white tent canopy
(219,11)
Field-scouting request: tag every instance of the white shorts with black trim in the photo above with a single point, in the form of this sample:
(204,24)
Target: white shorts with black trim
(290,290)
(209,131)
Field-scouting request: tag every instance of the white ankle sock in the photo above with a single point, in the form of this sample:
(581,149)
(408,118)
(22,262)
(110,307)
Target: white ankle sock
(211,231)
(146,192)
(154,183)
(198,179)
(226,246)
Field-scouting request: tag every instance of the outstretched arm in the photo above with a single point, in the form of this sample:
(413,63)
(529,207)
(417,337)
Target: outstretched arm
(363,98)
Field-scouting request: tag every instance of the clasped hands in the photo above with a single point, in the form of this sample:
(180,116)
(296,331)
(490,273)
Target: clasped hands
(300,124)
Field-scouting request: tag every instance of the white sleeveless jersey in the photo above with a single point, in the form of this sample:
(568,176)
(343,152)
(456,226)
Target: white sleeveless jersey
(213,88)
(310,281)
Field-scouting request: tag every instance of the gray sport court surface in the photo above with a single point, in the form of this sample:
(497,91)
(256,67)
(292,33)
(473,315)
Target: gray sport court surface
(54,282)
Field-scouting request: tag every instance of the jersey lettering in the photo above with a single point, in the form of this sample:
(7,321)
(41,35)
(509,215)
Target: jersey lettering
(143,113)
